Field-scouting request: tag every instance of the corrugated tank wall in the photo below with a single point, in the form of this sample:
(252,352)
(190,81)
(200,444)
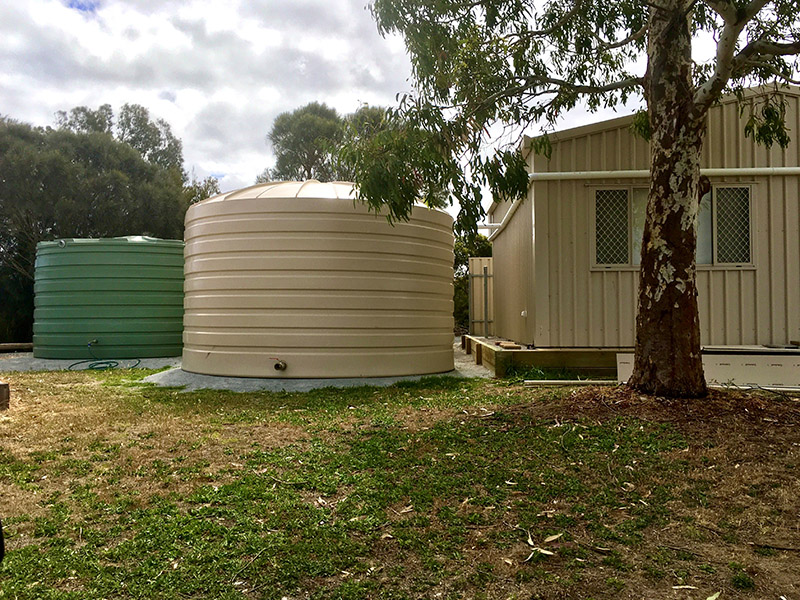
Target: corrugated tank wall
(578,306)
(295,276)
(108,298)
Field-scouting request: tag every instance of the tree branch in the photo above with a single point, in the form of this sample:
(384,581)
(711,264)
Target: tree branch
(763,48)
(731,14)
(594,89)
(606,45)
(724,8)
(558,24)
(770,68)
(752,9)
(726,47)
(728,62)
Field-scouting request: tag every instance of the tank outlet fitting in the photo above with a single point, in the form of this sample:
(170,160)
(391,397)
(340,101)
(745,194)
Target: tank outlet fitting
(280,365)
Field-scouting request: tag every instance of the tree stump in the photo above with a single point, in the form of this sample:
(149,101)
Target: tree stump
(5,396)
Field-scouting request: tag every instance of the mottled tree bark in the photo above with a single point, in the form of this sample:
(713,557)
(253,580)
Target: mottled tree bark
(668,360)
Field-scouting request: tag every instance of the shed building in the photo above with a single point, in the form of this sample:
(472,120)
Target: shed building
(566,256)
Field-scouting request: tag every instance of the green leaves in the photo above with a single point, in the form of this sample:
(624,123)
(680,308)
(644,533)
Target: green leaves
(303,141)
(641,125)
(153,139)
(768,125)
(487,72)
(306,141)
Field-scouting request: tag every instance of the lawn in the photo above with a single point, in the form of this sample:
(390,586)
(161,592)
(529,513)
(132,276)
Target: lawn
(438,489)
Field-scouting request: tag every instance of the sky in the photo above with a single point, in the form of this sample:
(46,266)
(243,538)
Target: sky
(218,72)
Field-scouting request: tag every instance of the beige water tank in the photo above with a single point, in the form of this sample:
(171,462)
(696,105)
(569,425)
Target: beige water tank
(295,280)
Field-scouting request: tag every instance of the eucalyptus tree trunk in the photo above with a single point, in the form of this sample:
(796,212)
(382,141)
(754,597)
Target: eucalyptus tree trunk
(667,360)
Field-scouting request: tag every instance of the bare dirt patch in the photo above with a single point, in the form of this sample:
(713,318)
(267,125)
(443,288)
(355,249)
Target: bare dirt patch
(737,506)
(81,432)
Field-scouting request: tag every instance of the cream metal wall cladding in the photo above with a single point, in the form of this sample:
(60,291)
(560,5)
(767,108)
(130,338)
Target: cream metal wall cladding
(545,255)
(481,296)
(296,280)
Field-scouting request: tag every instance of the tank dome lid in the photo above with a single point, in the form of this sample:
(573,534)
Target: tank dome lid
(130,239)
(290,189)
(334,190)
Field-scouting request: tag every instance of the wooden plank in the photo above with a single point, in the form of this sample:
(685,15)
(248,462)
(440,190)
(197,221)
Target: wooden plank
(567,359)
(586,361)
(567,382)
(503,359)
(16,347)
(5,396)
(509,346)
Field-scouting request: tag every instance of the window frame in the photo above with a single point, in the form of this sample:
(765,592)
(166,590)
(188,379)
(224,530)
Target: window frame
(714,231)
(630,266)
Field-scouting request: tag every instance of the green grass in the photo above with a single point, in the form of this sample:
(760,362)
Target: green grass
(419,490)
(518,374)
(741,580)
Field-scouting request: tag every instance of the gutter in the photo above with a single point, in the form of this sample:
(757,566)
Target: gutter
(645,173)
(498,227)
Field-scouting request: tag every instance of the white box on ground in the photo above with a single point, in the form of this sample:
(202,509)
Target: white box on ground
(740,366)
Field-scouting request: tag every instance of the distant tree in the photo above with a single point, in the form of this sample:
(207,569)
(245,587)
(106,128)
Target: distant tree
(265,176)
(153,139)
(58,183)
(83,119)
(366,120)
(467,246)
(363,124)
(306,141)
(303,141)
(197,190)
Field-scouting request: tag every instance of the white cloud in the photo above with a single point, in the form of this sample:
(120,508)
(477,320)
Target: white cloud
(217,72)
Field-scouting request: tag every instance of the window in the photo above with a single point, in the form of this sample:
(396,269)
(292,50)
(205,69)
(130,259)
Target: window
(723,226)
(733,224)
(611,227)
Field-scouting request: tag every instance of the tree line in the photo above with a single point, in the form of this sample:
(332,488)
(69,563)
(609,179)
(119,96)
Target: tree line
(100,174)
(92,175)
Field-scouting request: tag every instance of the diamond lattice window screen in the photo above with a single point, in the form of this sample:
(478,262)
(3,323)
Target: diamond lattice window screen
(611,227)
(733,225)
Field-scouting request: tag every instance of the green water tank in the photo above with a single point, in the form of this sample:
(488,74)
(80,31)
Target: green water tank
(108,298)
